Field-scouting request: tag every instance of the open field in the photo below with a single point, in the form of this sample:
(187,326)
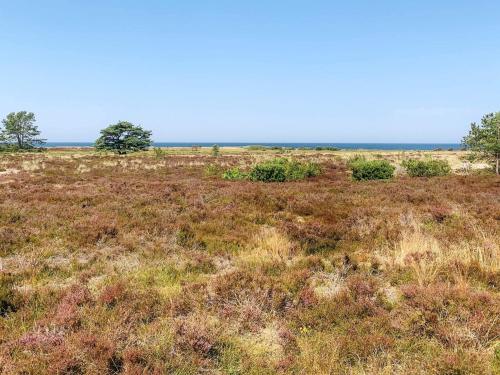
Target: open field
(149,263)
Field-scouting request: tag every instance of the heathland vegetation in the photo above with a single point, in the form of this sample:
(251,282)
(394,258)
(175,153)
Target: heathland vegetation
(146,263)
(248,261)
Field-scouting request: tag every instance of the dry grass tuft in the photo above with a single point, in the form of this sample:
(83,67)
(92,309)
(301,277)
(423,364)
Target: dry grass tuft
(327,285)
(268,246)
(429,259)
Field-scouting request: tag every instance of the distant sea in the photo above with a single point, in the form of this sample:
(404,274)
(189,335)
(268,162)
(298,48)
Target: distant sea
(347,146)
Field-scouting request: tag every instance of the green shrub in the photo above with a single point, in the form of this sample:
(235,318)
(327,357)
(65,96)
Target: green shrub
(426,168)
(269,171)
(326,148)
(279,170)
(355,159)
(276,170)
(257,148)
(234,174)
(9,147)
(371,169)
(299,171)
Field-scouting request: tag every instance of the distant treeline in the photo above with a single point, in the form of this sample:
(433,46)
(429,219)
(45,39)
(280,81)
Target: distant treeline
(18,132)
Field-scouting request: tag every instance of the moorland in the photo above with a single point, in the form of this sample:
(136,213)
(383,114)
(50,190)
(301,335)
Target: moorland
(153,263)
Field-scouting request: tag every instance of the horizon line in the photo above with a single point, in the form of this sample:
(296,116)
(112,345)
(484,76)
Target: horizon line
(277,142)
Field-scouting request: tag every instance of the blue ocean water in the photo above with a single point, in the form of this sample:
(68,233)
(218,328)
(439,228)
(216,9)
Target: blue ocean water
(346,146)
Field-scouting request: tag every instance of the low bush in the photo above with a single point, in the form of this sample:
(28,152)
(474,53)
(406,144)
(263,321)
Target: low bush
(355,159)
(279,170)
(371,169)
(426,168)
(8,148)
(269,148)
(326,148)
(318,148)
(234,174)
(276,170)
(257,148)
(269,171)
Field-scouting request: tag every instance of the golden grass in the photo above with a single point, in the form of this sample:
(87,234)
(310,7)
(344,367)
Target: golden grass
(263,346)
(268,246)
(429,258)
(319,354)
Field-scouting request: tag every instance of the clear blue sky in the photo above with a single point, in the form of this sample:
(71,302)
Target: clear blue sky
(262,70)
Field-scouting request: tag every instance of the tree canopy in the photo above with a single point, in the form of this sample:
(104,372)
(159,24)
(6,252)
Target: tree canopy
(123,137)
(20,130)
(484,139)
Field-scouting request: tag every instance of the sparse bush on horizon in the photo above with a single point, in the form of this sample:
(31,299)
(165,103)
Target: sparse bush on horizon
(215,150)
(326,148)
(159,152)
(280,149)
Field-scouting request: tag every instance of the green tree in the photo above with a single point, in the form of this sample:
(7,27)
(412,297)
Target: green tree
(484,139)
(123,137)
(19,129)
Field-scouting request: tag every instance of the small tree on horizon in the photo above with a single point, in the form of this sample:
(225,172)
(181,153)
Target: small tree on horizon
(484,139)
(215,150)
(20,130)
(123,137)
